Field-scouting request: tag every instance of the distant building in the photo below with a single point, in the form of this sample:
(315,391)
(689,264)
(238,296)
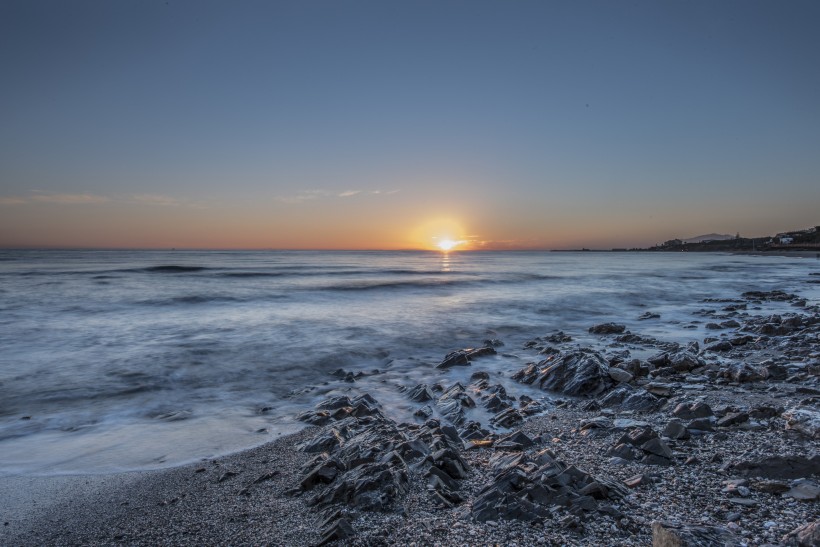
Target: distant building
(786,240)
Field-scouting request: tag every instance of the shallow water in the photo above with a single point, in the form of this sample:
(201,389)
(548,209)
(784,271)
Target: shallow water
(117,360)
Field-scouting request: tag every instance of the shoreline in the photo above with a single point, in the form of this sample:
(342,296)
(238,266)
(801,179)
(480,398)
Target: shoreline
(638,448)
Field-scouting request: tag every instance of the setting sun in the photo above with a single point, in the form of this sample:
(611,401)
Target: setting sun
(447,244)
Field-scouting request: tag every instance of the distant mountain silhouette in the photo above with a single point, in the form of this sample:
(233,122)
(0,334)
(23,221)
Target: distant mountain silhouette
(708,237)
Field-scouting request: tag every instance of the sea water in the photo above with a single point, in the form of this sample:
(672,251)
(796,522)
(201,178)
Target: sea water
(120,360)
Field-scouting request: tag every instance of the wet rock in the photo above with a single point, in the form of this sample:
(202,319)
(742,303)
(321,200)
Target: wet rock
(620,375)
(455,359)
(579,372)
(515,441)
(507,418)
(807,535)
(607,328)
(669,534)
(462,358)
(776,296)
(649,315)
(421,393)
(558,338)
(804,420)
(628,398)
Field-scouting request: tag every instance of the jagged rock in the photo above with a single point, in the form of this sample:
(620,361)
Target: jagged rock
(315,417)
(669,534)
(685,361)
(807,535)
(323,473)
(507,418)
(649,315)
(515,441)
(421,393)
(607,328)
(804,420)
(323,443)
(523,489)
(579,372)
(339,530)
(779,467)
(558,338)
(455,359)
(462,358)
(628,398)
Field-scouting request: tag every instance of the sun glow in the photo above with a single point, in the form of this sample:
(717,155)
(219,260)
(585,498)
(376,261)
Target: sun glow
(447,244)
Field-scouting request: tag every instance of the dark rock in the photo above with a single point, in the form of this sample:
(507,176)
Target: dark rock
(700,424)
(720,346)
(326,442)
(628,398)
(576,372)
(455,359)
(742,373)
(779,467)
(339,530)
(607,328)
(676,430)
(421,393)
(558,338)
(803,490)
(462,358)
(649,315)
(733,418)
(669,534)
(686,411)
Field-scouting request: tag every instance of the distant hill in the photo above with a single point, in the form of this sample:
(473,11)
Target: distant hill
(708,237)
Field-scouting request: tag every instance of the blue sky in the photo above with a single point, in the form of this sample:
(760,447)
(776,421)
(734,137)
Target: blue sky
(357,124)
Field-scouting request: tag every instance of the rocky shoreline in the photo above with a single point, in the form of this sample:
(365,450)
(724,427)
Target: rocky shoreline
(635,441)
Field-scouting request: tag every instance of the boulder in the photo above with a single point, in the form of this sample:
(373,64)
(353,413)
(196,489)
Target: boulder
(807,535)
(579,372)
(669,534)
(626,397)
(804,420)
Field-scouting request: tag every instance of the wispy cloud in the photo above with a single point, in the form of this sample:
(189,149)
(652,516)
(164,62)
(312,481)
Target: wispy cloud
(38,196)
(11,201)
(165,201)
(310,195)
(69,199)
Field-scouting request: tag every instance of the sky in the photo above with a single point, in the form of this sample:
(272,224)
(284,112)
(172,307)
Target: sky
(398,125)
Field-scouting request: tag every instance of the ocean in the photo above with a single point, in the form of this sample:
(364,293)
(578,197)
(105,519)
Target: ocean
(126,360)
